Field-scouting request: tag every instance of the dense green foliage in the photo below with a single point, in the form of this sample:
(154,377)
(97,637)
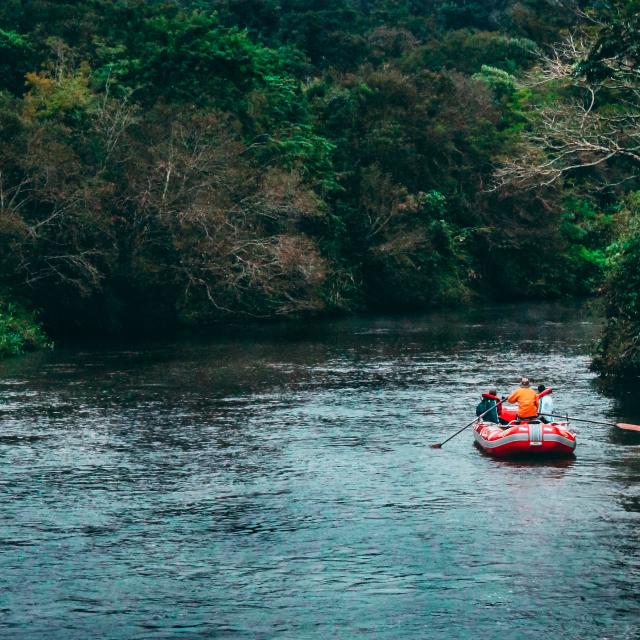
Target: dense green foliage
(187,161)
(619,349)
(19,331)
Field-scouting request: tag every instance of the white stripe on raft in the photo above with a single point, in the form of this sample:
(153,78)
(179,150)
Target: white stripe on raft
(556,437)
(500,442)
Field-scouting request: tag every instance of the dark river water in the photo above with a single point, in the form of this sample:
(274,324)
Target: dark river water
(278,483)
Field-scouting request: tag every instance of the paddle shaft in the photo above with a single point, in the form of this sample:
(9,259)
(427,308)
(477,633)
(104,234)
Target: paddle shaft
(606,424)
(439,445)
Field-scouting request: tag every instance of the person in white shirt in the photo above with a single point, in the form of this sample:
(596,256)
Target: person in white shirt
(546,404)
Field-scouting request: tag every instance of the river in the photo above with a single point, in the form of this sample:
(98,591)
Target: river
(277,482)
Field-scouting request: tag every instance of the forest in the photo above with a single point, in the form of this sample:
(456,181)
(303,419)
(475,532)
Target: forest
(187,162)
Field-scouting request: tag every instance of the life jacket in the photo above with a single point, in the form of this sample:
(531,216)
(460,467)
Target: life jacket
(527,400)
(544,393)
(488,396)
(485,405)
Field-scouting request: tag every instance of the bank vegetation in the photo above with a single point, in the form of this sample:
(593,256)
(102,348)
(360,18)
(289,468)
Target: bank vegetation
(168,163)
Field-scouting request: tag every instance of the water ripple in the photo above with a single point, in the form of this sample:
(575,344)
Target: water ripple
(281,485)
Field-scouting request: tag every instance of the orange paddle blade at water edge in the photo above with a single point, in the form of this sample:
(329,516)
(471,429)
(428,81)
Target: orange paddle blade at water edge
(628,427)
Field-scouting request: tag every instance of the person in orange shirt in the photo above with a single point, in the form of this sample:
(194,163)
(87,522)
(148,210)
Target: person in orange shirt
(527,400)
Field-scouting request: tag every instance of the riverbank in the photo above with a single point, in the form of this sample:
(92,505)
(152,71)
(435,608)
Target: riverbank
(22,332)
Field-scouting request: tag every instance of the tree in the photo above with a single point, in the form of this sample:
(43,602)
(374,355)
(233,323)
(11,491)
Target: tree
(205,229)
(585,121)
(618,351)
(15,57)
(584,132)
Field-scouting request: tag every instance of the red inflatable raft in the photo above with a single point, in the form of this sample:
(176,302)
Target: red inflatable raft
(525,439)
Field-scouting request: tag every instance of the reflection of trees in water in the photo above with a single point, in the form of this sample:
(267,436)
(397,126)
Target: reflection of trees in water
(631,503)
(624,393)
(623,437)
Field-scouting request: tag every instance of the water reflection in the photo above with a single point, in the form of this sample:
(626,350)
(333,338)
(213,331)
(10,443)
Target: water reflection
(278,483)
(624,438)
(558,465)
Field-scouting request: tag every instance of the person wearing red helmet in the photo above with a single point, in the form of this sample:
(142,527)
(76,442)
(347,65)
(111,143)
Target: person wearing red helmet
(489,403)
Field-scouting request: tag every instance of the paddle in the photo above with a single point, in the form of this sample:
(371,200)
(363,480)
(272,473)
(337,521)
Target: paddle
(438,445)
(620,425)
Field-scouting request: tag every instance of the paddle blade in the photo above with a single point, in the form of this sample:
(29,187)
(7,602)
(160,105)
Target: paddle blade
(436,446)
(628,427)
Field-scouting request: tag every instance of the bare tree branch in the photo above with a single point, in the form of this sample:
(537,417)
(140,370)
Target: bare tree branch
(579,130)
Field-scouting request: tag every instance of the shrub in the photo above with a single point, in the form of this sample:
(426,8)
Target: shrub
(19,331)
